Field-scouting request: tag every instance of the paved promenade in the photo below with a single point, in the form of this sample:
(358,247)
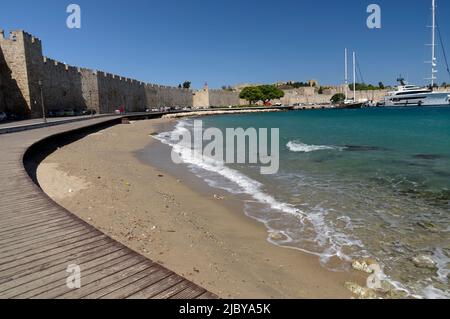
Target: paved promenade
(39,239)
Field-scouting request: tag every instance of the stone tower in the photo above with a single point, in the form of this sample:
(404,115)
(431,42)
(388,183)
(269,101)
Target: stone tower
(20,66)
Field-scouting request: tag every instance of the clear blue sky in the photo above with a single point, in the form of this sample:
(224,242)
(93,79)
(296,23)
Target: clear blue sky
(235,41)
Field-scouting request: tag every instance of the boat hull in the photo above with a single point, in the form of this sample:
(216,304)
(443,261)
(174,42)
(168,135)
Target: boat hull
(350,106)
(419,99)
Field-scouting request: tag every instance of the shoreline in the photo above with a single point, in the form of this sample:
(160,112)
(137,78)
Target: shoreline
(222,112)
(101,179)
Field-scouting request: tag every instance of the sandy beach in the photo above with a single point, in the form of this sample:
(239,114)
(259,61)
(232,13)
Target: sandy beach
(203,237)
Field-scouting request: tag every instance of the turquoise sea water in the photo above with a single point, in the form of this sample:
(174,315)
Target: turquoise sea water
(353,183)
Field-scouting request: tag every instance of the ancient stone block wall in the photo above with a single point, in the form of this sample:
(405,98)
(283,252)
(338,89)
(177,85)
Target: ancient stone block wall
(218,98)
(151,94)
(115,91)
(170,96)
(64,87)
(201,99)
(36,72)
(310,95)
(89,89)
(2,81)
(15,93)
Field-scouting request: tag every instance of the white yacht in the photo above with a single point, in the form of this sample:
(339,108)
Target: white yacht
(411,95)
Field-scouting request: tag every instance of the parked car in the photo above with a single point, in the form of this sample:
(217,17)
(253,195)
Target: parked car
(89,112)
(14,117)
(69,112)
(155,109)
(3,116)
(57,113)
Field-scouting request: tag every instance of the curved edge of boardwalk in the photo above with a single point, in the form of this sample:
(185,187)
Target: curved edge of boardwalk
(39,239)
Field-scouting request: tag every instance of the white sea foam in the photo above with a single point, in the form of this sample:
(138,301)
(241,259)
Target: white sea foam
(443,262)
(299,147)
(330,241)
(245,184)
(432,292)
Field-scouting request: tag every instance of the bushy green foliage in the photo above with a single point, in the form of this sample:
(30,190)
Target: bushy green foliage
(297,85)
(252,94)
(264,93)
(366,87)
(338,98)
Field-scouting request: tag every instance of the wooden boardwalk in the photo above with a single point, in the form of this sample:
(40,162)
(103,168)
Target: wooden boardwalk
(39,240)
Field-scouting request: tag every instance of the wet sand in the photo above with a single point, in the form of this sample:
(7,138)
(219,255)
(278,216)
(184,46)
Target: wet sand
(173,218)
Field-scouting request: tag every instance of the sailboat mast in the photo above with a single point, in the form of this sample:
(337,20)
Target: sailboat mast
(433,45)
(346,74)
(354,76)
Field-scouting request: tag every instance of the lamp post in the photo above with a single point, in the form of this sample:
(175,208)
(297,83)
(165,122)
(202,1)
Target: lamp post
(42,101)
(90,103)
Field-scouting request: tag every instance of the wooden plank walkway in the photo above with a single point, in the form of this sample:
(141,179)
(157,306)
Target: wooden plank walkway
(39,239)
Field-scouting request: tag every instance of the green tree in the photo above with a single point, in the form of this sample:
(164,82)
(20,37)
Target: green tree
(252,94)
(227,88)
(186,85)
(264,93)
(297,85)
(338,98)
(366,87)
(270,92)
(320,91)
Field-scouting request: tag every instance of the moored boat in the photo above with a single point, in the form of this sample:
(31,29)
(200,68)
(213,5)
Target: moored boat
(350,103)
(411,95)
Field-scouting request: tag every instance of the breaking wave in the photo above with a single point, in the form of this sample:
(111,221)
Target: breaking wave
(299,147)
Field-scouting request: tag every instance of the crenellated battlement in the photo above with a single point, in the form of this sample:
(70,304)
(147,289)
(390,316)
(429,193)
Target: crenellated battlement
(31,38)
(12,36)
(59,65)
(22,36)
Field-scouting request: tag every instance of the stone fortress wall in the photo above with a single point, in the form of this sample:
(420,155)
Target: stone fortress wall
(309,95)
(224,98)
(206,98)
(15,92)
(64,87)
(305,95)
(201,98)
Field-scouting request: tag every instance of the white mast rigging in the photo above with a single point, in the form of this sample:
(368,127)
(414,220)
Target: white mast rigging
(354,76)
(434,70)
(346,74)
